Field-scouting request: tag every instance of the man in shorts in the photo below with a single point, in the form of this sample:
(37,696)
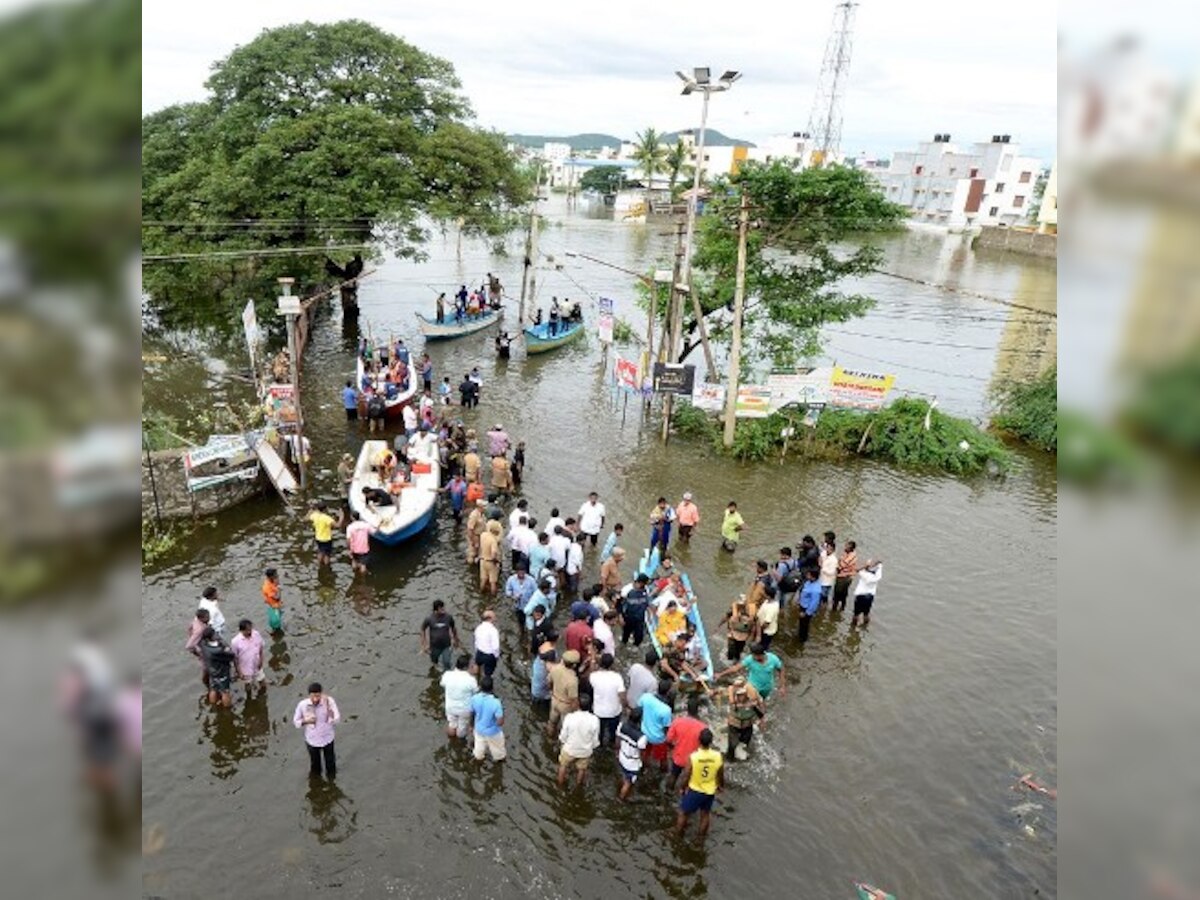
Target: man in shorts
(631,743)
(247,647)
(460,687)
(703,778)
(218,660)
(323,525)
(656,719)
(439,636)
(489,721)
(580,736)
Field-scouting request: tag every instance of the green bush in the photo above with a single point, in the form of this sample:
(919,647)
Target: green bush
(1165,403)
(1029,410)
(690,422)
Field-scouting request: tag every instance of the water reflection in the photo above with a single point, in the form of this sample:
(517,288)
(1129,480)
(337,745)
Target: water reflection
(330,815)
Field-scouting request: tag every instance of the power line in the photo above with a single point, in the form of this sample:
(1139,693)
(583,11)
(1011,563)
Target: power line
(900,340)
(234,254)
(888,362)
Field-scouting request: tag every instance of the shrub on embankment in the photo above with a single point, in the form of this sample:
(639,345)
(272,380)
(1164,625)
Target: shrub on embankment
(1028,410)
(894,434)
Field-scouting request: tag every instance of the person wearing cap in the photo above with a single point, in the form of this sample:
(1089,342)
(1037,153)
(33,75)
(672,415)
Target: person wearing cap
(487,643)
(591,517)
(745,708)
(766,619)
(475,524)
(489,558)
(688,515)
(564,689)
(498,440)
(345,473)
(316,714)
(761,668)
(633,611)
(610,543)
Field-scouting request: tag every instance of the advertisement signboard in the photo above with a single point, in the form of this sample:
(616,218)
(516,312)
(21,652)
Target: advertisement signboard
(605,324)
(804,386)
(753,402)
(710,396)
(850,389)
(625,374)
(673,379)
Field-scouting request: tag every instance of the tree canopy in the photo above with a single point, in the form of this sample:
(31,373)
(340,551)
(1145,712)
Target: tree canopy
(650,154)
(313,136)
(605,179)
(807,238)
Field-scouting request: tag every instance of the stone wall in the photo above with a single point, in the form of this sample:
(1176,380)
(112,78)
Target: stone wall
(175,501)
(1018,240)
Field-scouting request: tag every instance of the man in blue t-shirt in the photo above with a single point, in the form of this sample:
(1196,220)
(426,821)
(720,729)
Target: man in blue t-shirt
(810,601)
(656,719)
(350,401)
(489,721)
(760,667)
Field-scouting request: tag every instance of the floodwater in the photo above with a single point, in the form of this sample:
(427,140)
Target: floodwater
(891,759)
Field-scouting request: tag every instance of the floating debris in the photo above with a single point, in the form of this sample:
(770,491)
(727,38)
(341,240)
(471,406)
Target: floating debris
(1027,781)
(868,892)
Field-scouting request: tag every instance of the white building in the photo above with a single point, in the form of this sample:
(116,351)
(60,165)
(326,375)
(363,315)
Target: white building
(962,189)
(797,146)
(1048,211)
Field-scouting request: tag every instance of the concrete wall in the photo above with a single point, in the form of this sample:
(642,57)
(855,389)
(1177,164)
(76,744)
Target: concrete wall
(1018,240)
(175,501)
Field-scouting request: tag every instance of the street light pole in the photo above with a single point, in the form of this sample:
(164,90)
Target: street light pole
(290,316)
(735,348)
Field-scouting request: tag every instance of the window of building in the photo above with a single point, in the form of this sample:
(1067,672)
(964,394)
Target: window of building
(952,171)
(999,187)
(1019,200)
(974,173)
(994,211)
(918,170)
(1025,176)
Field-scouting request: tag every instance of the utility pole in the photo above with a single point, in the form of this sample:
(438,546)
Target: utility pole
(739,301)
(675,320)
(290,307)
(530,247)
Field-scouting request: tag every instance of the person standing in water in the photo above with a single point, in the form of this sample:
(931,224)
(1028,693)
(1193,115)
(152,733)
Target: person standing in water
(316,714)
(703,778)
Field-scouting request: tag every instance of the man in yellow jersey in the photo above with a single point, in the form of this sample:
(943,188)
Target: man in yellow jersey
(704,778)
(323,525)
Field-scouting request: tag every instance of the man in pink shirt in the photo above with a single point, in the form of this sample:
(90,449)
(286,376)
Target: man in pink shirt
(358,536)
(317,714)
(247,647)
(688,514)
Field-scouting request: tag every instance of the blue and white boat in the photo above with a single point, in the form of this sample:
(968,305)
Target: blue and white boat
(414,506)
(453,328)
(648,565)
(538,338)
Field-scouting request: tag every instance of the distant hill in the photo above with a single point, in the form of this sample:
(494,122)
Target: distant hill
(594,140)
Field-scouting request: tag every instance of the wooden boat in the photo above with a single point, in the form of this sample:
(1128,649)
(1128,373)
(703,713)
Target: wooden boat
(414,505)
(868,892)
(450,328)
(394,405)
(648,565)
(538,338)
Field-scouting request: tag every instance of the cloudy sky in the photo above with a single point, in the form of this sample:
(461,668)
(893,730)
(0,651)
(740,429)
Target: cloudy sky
(919,67)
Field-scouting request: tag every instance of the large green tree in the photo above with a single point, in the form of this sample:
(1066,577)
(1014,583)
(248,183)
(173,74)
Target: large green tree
(605,179)
(313,136)
(650,154)
(809,236)
(676,162)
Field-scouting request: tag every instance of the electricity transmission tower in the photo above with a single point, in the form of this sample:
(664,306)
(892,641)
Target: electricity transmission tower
(825,121)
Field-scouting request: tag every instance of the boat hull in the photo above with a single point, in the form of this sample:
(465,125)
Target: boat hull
(393,407)
(448,330)
(648,564)
(416,503)
(539,340)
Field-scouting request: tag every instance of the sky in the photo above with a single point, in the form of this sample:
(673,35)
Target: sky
(918,68)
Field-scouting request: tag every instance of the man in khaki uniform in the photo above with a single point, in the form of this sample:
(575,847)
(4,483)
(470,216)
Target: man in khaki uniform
(489,558)
(564,690)
(475,524)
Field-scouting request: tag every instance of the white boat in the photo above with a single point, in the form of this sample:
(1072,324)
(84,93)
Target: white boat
(415,503)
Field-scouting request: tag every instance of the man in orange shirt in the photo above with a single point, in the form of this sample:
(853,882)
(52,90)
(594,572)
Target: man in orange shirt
(271,596)
(688,514)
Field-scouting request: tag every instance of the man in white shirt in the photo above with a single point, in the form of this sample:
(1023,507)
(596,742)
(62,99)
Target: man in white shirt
(556,522)
(460,686)
(829,566)
(608,698)
(591,517)
(580,736)
(487,643)
(515,516)
(767,617)
(574,565)
(521,539)
(560,544)
(864,591)
(602,629)
(211,602)
(410,419)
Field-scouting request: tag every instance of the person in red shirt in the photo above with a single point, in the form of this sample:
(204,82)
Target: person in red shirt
(684,737)
(579,634)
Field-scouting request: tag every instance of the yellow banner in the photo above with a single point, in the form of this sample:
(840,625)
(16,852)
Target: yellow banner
(858,390)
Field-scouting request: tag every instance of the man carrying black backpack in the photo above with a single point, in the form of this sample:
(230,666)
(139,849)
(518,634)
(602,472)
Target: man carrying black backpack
(787,576)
